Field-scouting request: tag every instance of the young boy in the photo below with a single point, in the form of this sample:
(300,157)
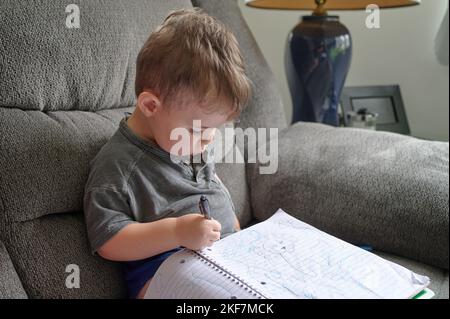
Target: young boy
(141,199)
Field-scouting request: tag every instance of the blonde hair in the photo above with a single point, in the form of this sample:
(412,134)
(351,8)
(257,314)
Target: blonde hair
(193,56)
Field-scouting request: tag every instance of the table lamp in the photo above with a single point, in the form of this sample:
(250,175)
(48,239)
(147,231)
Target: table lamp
(318,54)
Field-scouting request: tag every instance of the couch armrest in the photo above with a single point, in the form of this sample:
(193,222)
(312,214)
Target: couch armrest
(10,285)
(382,189)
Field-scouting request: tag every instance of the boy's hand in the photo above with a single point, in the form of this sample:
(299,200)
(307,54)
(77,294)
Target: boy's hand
(196,232)
(237,225)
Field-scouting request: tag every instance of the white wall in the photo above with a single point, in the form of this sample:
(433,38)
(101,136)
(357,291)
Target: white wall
(400,52)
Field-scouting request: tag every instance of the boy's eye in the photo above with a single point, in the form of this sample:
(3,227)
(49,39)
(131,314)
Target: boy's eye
(195,130)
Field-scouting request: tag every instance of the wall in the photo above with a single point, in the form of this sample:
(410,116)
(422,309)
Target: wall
(400,52)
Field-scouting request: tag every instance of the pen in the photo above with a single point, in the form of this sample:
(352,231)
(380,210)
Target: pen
(204,207)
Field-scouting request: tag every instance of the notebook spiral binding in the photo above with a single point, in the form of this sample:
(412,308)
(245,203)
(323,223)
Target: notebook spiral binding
(234,278)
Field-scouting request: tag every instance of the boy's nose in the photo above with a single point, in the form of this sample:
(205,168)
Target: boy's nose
(208,136)
(207,141)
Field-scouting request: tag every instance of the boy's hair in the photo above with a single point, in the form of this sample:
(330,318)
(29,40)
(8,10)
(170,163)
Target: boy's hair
(193,57)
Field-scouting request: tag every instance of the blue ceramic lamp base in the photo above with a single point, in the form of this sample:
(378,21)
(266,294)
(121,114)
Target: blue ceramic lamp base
(317,59)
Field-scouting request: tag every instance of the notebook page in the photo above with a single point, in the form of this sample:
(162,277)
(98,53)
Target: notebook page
(186,275)
(283,257)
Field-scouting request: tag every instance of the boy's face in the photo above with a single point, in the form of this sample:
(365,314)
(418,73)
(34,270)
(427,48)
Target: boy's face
(199,122)
(201,128)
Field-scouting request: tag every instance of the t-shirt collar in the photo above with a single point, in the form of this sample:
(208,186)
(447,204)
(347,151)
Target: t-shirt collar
(153,147)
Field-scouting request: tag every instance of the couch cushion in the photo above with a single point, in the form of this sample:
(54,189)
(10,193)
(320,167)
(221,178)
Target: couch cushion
(10,284)
(383,189)
(44,159)
(234,177)
(46,66)
(42,250)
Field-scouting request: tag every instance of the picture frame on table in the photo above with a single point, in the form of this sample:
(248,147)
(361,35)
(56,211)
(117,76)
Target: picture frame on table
(386,101)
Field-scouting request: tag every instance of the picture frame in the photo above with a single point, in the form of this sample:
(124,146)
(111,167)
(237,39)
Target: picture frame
(384,100)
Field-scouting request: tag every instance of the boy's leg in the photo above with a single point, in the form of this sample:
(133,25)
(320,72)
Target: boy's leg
(142,292)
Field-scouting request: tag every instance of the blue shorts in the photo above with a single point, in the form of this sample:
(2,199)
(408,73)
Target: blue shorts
(138,272)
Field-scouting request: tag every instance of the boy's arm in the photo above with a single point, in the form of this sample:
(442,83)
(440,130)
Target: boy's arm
(141,240)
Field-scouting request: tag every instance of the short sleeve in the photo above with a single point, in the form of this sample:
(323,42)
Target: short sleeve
(106,212)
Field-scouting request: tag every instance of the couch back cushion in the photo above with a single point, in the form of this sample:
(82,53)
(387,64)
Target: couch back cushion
(44,159)
(47,66)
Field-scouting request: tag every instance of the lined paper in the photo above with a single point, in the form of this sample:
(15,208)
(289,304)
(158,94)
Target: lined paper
(284,257)
(185,275)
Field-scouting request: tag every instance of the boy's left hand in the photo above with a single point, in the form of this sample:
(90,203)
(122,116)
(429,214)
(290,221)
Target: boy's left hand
(237,225)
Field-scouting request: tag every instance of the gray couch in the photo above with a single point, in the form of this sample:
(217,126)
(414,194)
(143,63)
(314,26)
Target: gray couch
(63,92)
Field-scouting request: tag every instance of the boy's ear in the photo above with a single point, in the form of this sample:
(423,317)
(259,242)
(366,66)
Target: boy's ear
(148,103)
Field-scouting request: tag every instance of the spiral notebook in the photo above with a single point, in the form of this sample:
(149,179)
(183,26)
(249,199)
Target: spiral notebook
(282,257)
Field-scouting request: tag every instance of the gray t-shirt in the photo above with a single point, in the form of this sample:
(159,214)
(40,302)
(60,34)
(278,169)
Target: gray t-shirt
(132,180)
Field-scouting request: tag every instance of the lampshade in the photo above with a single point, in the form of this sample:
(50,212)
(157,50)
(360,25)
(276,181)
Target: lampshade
(329,5)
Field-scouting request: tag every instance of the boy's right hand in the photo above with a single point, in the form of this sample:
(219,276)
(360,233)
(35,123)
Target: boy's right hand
(195,232)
